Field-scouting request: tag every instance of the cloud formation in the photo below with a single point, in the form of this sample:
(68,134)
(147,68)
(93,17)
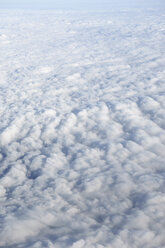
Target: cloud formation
(82,136)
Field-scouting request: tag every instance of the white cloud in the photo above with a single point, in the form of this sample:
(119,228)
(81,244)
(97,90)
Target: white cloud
(82,135)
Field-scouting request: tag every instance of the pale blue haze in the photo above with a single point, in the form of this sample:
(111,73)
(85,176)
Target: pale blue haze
(80,4)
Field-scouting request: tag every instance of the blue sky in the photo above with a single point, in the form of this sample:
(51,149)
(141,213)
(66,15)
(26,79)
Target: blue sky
(81,4)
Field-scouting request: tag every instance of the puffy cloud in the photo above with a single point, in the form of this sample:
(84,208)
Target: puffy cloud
(82,135)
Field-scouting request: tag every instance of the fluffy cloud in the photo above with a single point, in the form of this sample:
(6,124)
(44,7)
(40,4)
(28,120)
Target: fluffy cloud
(82,135)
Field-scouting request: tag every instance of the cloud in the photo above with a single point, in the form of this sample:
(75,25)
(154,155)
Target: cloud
(82,135)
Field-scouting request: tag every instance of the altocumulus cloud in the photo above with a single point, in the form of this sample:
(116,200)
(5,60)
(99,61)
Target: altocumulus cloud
(82,136)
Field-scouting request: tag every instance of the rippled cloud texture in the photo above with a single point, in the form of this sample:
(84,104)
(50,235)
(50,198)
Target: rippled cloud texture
(82,129)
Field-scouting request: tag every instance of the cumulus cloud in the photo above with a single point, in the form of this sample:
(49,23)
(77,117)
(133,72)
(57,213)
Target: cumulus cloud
(82,136)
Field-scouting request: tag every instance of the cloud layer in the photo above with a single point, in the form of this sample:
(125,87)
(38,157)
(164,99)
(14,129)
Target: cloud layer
(82,136)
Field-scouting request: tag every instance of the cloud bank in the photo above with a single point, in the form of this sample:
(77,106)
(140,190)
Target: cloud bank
(82,130)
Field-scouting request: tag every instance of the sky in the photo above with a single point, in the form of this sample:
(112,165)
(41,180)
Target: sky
(80,4)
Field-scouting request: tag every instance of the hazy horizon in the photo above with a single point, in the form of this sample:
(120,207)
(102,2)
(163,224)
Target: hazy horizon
(80,5)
